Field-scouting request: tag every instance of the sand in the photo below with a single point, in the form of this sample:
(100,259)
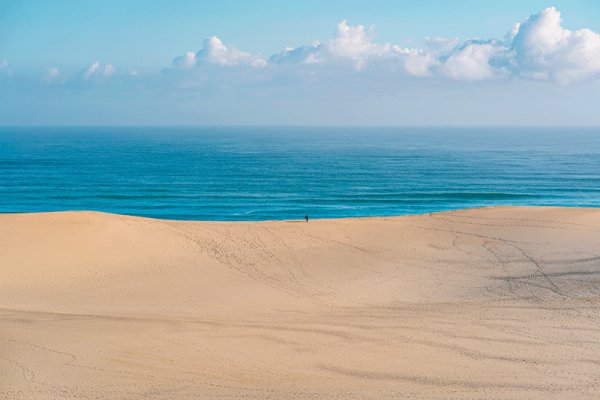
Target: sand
(493,303)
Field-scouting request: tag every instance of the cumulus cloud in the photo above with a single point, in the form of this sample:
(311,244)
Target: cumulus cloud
(538,48)
(352,42)
(214,51)
(543,49)
(186,61)
(420,63)
(475,60)
(355,44)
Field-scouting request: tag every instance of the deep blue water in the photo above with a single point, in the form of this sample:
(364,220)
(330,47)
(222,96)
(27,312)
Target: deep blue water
(285,173)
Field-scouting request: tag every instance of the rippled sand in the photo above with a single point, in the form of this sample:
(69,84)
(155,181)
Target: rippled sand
(499,303)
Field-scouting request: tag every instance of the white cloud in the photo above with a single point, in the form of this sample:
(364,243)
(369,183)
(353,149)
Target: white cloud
(510,36)
(3,64)
(420,63)
(300,55)
(538,48)
(356,44)
(352,42)
(312,59)
(543,49)
(214,51)
(90,71)
(186,61)
(472,61)
(98,70)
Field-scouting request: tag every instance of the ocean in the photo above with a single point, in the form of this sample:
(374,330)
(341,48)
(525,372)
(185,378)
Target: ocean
(255,173)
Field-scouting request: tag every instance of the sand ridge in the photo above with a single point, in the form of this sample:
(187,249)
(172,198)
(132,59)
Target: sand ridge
(497,302)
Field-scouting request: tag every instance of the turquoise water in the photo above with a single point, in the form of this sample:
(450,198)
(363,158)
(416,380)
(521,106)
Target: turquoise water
(285,173)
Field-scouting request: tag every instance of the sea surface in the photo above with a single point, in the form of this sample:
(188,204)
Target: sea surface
(255,173)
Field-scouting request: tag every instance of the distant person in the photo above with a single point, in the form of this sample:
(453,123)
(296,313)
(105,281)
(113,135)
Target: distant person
(306,218)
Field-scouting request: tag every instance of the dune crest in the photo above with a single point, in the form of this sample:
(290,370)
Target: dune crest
(498,302)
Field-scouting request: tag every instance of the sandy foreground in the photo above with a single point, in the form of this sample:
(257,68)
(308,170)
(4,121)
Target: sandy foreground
(494,303)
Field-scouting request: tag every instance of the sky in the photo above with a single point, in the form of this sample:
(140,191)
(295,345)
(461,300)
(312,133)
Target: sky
(261,62)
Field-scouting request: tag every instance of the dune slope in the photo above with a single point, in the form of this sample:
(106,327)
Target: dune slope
(499,303)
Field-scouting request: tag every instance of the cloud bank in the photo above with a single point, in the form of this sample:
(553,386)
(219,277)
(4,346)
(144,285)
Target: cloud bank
(531,75)
(539,48)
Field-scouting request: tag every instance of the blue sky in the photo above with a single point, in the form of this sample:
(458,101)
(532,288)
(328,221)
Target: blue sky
(375,63)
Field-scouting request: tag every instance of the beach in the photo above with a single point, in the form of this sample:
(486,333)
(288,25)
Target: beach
(497,302)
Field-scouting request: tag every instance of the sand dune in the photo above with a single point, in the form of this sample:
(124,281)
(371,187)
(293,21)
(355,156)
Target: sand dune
(499,303)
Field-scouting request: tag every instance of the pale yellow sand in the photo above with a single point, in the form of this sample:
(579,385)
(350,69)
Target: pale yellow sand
(497,303)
